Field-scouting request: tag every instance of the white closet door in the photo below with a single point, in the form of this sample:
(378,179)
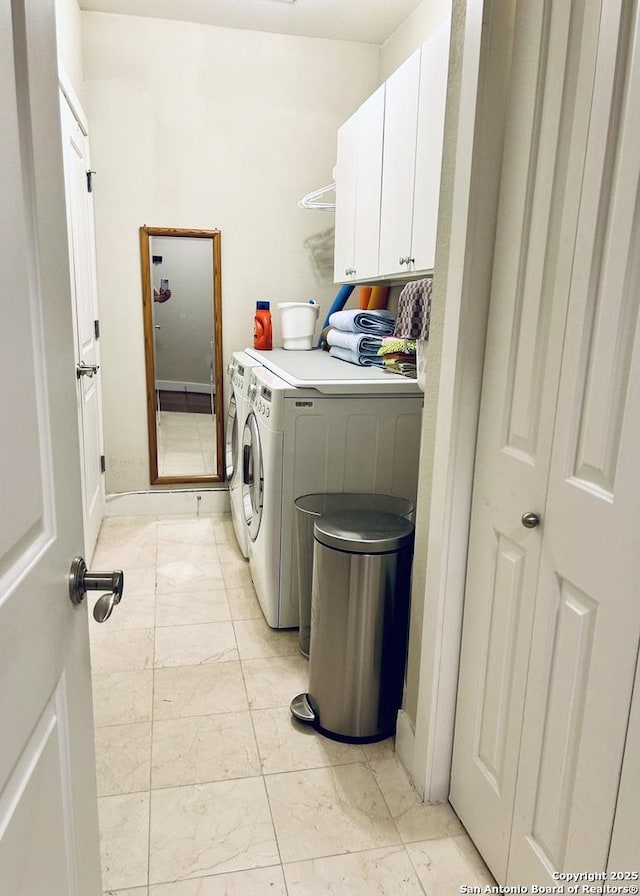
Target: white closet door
(522,363)
(85,313)
(587,619)
(552,618)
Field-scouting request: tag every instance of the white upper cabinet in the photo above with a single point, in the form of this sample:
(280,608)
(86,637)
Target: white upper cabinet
(431,108)
(388,171)
(358,186)
(398,166)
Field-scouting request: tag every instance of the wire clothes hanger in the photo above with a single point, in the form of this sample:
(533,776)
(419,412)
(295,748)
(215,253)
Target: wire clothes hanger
(311,200)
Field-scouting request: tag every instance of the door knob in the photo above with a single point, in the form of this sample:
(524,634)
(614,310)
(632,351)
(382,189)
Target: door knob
(530,520)
(81,581)
(86,369)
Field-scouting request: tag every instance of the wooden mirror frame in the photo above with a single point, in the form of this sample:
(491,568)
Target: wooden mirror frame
(147,305)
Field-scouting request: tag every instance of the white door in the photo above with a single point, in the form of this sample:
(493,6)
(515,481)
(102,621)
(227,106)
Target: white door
(552,620)
(48,806)
(79,203)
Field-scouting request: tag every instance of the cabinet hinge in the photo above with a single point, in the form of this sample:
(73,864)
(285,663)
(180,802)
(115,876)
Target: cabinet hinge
(90,181)
(103,463)
(96,328)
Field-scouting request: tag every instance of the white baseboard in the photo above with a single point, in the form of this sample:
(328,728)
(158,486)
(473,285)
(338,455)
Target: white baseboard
(157,503)
(176,386)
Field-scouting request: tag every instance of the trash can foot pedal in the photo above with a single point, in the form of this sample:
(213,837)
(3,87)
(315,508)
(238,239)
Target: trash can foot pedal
(302,710)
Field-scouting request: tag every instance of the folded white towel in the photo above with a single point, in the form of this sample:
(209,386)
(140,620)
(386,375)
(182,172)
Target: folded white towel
(343,354)
(377,323)
(414,310)
(359,343)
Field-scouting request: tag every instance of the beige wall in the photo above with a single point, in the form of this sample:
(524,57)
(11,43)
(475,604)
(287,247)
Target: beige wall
(203,127)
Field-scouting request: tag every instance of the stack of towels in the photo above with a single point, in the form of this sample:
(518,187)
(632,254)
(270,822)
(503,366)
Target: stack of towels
(357,336)
(399,356)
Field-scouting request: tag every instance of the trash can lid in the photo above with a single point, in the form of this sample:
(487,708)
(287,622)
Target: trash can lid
(330,502)
(363,531)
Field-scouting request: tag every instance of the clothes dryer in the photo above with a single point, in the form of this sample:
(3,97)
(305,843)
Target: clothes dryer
(237,409)
(300,440)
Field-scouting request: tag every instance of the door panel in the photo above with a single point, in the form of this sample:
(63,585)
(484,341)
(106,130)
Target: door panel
(561,396)
(48,805)
(522,362)
(585,644)
(85,308)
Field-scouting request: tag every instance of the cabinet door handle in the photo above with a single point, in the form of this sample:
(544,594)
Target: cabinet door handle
(402,260)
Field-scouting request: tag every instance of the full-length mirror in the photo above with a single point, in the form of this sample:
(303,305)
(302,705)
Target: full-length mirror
(181,293)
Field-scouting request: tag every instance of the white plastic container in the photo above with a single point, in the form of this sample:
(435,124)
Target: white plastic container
(298,322)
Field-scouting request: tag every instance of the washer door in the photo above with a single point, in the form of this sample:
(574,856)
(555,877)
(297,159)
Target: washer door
(231,438)
(252,476)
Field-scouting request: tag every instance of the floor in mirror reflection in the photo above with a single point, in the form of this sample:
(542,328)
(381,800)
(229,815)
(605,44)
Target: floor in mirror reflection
(186,444)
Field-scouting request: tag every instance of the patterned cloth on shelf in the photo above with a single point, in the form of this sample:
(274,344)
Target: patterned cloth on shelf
(414,310)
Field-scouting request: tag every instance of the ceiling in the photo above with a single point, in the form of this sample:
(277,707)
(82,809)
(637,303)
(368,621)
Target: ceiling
(363,21)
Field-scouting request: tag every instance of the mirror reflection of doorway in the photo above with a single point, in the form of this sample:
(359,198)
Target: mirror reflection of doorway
(182,280)
(181,298)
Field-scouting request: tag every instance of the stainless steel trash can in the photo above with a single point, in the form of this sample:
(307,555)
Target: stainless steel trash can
(360,617)
(307,509)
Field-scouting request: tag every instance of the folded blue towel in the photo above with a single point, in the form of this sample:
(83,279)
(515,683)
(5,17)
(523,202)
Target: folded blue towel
(343,354)
(359,343)
(376,323)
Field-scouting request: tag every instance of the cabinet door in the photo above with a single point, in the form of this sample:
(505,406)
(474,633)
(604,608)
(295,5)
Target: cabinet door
(434,63)
(370,118)
(345,199)
(398,167)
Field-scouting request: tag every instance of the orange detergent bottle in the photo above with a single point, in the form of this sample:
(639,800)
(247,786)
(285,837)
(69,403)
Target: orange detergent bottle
(262,337)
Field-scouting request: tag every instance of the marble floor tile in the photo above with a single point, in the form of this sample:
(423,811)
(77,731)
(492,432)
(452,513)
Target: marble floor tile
(275,682)
(415,819)
(188,530)
(124,840)
(243,603)
(135,610)
(129,650)
(181,575)
(123,758)
(192,607)
(126,542)
(256,640)
(172,551)
(122,697)
(210,828)
(255,882)
(201,749)
(328,811)
(444,866)
(136,891)
(230,555)
(385,872)
(237,576)
(191,645)
(198,691)
(286,746)
(139,581)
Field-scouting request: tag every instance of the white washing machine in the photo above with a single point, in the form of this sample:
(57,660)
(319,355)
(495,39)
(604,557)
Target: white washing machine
(358,435)
(237,409)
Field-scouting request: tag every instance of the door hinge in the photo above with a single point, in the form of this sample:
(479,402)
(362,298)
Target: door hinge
(90,181)
(103,463)
(96,328)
